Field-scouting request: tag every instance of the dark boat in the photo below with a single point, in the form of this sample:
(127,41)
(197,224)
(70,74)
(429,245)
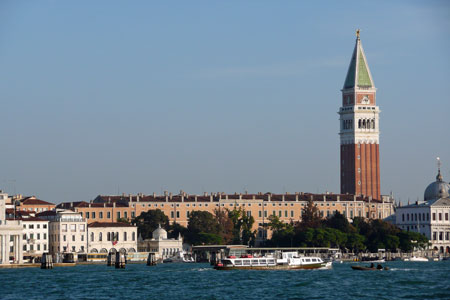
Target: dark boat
(362,268)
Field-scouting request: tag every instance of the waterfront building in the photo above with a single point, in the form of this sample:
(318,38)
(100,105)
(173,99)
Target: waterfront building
(288,207)
(159,244)
(32,204)
(35,233)
(359,129)
(431,216)
(10,236)
(67,231)
(105,237)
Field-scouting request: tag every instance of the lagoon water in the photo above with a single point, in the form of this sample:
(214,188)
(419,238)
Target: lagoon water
(405,280)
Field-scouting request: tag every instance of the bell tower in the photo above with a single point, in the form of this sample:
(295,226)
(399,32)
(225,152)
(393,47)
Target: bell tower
(359,129)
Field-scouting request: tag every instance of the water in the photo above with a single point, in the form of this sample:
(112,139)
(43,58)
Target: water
(405,280)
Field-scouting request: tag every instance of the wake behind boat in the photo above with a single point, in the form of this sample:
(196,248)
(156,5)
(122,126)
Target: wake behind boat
(288,261)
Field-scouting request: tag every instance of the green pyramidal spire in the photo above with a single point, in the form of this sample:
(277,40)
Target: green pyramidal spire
(358,74)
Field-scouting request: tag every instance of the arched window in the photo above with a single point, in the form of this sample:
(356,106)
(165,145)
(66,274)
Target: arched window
(108,236)
(133,236)
(92,236)
(100,237)
(359,123)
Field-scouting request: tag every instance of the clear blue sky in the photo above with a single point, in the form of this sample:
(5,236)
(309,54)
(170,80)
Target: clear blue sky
(205,96)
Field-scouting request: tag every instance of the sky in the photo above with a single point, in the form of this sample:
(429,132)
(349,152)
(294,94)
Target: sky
(108,97)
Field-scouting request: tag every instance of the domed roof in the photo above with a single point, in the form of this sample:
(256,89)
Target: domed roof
(438,189)
(159,233)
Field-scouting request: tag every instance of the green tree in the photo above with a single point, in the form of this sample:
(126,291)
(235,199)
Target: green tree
(310,215)
(282,233)
(339,221)
(203,228)
(409,240)
(355,242)
(148,221)
(225,225)
(123,220)
(176,229)
(242,227)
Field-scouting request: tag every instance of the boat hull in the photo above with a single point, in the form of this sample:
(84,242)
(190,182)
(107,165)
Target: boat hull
(361,268)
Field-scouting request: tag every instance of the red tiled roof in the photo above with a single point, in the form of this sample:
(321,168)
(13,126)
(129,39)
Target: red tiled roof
(31,219)
(46,213)
(34,201)
(109,224)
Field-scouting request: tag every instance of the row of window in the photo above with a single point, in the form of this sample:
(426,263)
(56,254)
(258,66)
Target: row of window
(31,236)
(55,238)
(439,236)
(73,227)
(40,209)
(38,247)
(421,217)
(31,226)
(93,215)
(112,236)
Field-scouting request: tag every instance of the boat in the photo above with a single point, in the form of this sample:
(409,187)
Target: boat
(363,268)
(416,259)
(373,260)
(288,261)
(179,257)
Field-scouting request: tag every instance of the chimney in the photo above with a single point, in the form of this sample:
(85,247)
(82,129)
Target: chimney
(165,193)
(205,194)
(154,194)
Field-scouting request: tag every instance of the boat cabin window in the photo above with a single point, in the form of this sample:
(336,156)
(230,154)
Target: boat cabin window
(313,259)
(270,261)
(246,262)
(254,261)
(262,261)
(238,262)
(308,260)
(227,262)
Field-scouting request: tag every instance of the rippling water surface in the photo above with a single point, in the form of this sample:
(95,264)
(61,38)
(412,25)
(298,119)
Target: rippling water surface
(405,280)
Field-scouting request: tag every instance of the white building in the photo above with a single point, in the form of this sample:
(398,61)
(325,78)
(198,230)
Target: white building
(105,237)
(430,217)
(161,245)
(35,236)
(10,236)
(67,231)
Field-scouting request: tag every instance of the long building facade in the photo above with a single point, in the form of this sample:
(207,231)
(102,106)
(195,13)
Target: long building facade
(288,207)
(359,129)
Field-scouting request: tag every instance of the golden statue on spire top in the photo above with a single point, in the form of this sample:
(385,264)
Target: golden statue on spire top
(357,33)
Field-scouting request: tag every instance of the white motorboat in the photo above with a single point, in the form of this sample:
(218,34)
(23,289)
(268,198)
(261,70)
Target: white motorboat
(416,259)
(288,261)
(181,256)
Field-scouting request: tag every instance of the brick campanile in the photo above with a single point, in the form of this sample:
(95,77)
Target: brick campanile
(359,133)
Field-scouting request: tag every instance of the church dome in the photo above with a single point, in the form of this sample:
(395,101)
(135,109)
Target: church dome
(438,189)
(159,233)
